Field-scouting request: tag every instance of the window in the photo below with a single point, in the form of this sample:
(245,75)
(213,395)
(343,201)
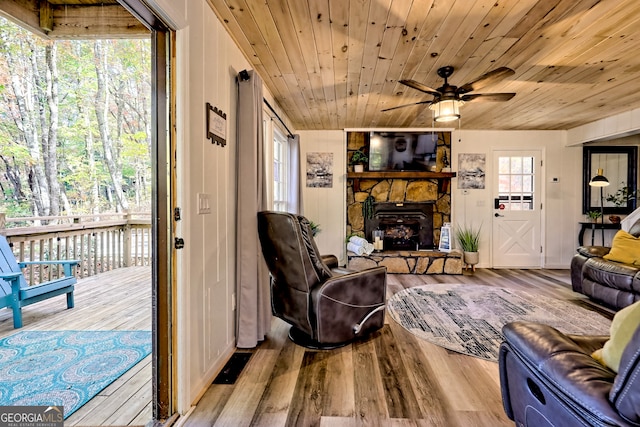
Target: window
(280,170)
(515,181)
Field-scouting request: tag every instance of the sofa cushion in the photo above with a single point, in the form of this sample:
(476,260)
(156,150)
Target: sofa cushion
(624,324)
(625,248)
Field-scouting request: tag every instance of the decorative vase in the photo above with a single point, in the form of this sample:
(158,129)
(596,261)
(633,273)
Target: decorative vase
(358,168)
(471,259)
(615,219)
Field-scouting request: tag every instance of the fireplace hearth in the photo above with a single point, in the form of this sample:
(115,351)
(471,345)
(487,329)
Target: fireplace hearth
(406,226)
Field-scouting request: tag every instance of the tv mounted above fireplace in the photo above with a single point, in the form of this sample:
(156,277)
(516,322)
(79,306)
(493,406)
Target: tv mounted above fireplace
(402,151)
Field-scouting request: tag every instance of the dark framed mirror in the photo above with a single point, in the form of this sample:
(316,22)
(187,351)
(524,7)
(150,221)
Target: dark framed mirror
(620,167)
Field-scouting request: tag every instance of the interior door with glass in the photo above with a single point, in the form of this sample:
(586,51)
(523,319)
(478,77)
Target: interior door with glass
(517,207)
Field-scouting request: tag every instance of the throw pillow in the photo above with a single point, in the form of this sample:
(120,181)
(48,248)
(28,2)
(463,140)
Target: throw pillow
(624,324)
(625,248)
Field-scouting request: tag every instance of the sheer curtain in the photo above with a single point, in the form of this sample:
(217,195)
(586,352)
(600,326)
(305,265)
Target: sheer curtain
(295,176)
(252,276)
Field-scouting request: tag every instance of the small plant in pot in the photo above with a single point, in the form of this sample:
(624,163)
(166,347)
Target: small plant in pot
(469,239)
(594,215)
(358,160)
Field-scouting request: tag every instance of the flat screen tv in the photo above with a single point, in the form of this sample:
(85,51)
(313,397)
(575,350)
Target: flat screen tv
(402,151)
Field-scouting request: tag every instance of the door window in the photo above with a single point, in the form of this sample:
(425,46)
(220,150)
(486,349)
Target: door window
(516,182)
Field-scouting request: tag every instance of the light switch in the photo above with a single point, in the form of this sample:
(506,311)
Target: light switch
(203,204)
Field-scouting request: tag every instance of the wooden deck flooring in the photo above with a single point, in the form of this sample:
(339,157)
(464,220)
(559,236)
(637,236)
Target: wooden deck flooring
(115,300)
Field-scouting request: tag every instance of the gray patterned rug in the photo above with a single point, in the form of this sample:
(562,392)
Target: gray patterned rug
(468,318)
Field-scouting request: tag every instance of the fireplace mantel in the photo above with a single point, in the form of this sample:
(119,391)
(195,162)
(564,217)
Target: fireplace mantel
(442,177)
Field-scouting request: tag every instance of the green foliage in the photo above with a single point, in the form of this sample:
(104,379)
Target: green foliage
(315,228)
(594,214)
(367,207)
(80,152)
(359,157)
(468,238)
(622,196)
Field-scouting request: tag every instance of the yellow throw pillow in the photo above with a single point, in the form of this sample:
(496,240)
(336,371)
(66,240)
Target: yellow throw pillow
(624,324)
(625,248)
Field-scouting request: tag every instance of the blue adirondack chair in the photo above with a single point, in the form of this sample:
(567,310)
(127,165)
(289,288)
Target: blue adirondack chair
(15,293)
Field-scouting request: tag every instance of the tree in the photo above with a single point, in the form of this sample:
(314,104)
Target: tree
(74,124)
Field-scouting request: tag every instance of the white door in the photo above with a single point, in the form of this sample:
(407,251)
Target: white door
(517,209)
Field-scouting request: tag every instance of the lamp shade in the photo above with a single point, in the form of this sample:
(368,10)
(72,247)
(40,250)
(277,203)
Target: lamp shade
(446,110)
(599,180)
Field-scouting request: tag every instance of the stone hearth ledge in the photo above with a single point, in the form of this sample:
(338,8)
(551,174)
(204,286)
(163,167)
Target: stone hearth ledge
(409,262)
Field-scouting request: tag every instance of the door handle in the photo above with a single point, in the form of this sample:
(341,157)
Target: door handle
(497,215)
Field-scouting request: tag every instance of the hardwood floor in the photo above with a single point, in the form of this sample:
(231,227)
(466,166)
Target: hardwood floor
(390,379)
(115,300)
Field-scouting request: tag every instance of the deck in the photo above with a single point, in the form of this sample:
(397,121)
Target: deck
(115,300)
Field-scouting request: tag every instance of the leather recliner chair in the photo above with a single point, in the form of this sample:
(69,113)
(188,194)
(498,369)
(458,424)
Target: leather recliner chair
(548,378)
(328,307)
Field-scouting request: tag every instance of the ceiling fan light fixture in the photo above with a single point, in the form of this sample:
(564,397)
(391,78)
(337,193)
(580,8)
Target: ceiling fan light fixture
(446,110)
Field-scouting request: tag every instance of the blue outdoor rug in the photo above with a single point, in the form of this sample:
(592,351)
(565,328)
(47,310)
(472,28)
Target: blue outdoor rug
(65,368)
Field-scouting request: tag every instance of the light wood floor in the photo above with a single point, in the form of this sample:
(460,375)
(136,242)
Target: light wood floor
(115,300)
(391,379)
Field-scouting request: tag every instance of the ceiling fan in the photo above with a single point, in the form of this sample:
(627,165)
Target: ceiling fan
(447,99)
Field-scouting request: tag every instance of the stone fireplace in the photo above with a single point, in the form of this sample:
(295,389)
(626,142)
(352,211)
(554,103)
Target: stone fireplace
(405,226)
(410,206)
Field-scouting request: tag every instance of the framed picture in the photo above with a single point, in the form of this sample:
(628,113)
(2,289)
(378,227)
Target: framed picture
(471,170)
(216,125)
(320,170)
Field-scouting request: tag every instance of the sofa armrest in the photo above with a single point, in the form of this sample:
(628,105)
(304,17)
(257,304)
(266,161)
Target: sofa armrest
(593,251)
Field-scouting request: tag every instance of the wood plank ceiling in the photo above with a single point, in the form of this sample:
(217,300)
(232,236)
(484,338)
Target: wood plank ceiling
(334,64)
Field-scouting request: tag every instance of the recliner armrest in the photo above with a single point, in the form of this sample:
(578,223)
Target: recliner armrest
(565,366)
(330,260)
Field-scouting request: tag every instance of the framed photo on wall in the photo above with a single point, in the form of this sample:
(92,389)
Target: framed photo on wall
(471,170)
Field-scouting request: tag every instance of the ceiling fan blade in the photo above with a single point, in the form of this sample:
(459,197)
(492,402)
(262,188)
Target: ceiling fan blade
(487,97)
(406,105)
(419,86)
(486,79)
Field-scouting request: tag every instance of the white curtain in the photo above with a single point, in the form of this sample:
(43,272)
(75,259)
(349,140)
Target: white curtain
(295,176)
(254,307)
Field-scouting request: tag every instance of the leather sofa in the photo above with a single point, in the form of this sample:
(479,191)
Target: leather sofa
(611,283)
(548,378)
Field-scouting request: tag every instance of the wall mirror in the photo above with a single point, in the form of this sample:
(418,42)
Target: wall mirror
(619,164)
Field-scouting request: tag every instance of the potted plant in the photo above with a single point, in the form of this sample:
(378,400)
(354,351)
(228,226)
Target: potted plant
(315,228)
(358,160)
(469,239)
(594,215)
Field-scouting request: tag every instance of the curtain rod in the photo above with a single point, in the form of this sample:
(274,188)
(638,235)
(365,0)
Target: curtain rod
(278,117)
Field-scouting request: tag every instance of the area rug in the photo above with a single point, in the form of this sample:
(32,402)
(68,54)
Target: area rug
(468,318)
(65,368)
